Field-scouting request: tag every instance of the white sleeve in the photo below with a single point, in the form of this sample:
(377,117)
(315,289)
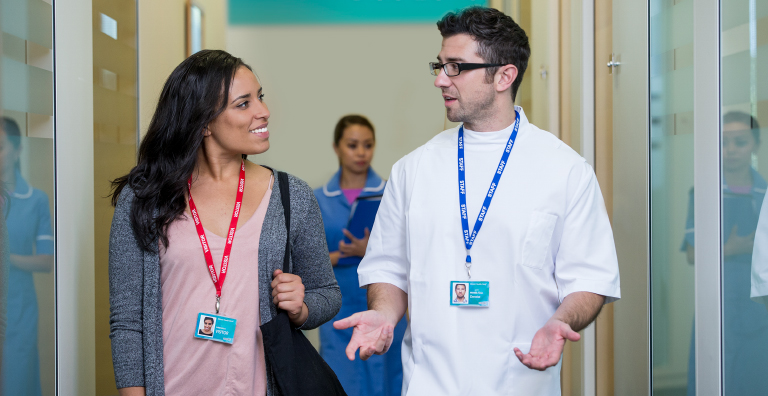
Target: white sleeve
(386,258)
(760,256)
(586,258)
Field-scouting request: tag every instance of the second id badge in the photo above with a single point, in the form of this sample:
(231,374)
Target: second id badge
(470,294)
(215,328)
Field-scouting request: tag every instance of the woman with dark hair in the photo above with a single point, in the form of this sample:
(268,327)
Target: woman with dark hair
(30,239)
(354,140)
(174,220)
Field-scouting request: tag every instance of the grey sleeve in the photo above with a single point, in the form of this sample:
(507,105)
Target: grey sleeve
(125,296)
(310,258)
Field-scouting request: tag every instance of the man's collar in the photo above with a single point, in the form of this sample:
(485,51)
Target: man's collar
(523,119)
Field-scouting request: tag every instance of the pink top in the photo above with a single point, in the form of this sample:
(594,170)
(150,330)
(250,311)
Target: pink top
(195,366)
(352,193)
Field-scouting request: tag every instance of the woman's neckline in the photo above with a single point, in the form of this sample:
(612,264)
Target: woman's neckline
(208,232)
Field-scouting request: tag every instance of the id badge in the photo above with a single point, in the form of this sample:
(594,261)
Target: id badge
(215,328)
(470,294)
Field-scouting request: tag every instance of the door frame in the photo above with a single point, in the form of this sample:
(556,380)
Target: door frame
(708,196)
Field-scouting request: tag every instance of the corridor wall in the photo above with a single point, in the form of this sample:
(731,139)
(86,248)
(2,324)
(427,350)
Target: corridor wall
(315,74)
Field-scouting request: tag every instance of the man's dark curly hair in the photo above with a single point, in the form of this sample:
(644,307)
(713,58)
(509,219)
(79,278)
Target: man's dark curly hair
(499,39)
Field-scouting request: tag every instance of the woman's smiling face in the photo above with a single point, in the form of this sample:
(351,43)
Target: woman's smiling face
(242,127)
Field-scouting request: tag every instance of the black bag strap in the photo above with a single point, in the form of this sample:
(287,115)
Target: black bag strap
(285,197)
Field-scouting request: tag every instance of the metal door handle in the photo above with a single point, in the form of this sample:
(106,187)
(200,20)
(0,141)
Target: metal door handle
(613,62)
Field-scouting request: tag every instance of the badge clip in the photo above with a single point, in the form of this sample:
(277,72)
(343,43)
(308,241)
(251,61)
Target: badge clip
(468,265)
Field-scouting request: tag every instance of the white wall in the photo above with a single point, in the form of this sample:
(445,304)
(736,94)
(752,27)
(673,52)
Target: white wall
(313,75)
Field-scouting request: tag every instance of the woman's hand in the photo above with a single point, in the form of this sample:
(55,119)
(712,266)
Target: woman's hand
(288,295)
(356,247)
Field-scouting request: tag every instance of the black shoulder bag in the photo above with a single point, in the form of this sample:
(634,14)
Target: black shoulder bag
(298,369)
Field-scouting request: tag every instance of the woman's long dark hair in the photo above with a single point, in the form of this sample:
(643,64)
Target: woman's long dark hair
(194,95)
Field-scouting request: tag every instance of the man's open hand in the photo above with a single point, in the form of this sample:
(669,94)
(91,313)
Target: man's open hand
(547,345)
(372,333)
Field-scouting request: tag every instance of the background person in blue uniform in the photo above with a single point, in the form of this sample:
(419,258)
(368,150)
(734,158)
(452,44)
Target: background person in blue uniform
(745,321)
(354,141)
(28,219)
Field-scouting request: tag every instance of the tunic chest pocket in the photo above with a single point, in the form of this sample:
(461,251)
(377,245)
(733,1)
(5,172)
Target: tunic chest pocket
(538,238)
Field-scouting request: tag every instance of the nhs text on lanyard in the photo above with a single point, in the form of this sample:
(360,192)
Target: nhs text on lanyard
(469,239)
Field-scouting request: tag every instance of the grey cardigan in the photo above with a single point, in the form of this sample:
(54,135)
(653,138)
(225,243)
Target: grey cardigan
(135,298)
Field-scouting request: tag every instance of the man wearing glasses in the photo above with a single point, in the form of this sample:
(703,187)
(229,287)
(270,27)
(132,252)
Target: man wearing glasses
(538,264)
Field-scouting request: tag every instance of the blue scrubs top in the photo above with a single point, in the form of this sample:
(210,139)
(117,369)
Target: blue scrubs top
(381,375)
(29,232)
(745,321)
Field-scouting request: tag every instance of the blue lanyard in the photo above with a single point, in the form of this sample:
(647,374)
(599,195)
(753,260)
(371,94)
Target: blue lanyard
(469,240)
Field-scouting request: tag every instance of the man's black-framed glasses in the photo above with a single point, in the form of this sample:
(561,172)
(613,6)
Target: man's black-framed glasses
(453,69)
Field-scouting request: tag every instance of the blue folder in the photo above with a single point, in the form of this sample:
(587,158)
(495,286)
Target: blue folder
(361,217)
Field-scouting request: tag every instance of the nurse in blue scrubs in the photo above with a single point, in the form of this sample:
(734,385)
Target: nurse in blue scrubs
(745,321)
(381,375)
(28,219)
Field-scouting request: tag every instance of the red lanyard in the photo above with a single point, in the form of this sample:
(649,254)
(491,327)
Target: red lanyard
(218,282)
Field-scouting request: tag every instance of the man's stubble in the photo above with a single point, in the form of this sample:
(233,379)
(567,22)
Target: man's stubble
(471,113)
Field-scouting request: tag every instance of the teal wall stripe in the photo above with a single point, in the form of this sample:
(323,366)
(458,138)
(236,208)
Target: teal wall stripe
(282,12)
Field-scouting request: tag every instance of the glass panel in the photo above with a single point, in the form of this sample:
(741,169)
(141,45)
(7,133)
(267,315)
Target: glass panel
(671,183)
(27,177)
(115,133)
(744,49)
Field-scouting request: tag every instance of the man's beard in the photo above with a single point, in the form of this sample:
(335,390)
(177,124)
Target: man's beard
(472,112)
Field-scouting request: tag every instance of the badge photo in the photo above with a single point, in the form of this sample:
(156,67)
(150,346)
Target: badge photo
(205,326)
(470,294)
(215,328)
(460,295)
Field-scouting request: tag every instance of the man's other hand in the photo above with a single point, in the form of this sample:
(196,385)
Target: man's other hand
(372,333)
(547,345)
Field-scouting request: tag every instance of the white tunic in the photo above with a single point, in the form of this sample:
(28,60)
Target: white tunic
(546,235)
